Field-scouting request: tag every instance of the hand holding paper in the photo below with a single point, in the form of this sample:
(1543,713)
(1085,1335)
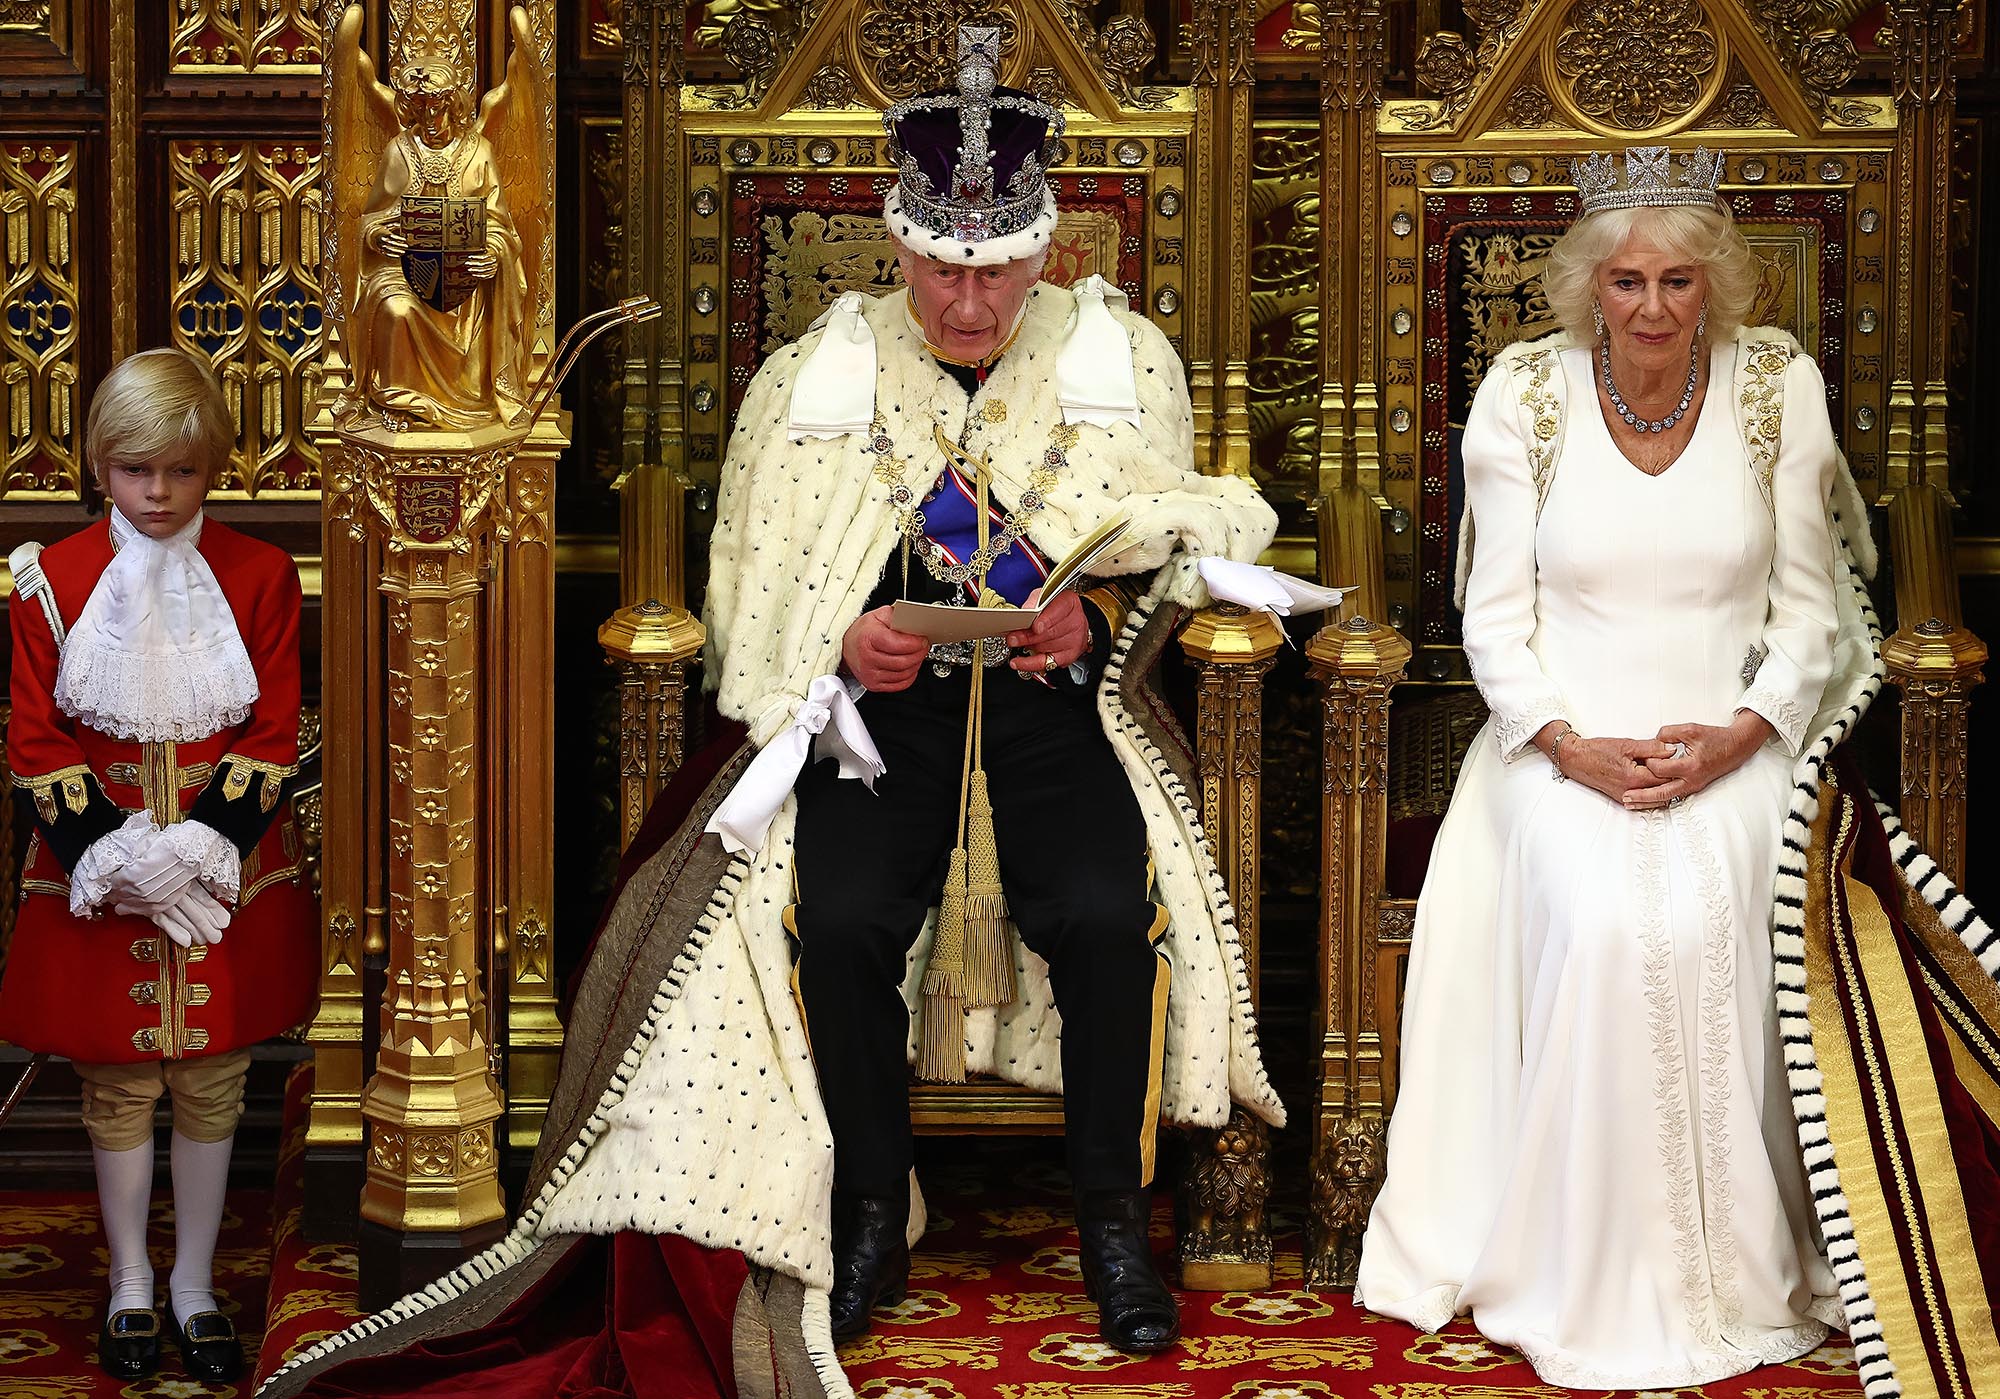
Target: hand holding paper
(938,623)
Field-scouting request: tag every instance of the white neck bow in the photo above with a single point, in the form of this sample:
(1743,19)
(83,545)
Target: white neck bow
(155,655)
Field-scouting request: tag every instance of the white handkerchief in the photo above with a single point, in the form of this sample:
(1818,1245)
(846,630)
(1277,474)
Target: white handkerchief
(834,392)
(826,715)
(1095,382)
(1264,589)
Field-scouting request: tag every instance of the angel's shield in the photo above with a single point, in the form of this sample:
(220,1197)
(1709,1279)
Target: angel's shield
(442,235)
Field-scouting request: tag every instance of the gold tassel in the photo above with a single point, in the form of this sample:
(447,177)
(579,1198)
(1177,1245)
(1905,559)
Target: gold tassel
(941,1044)
(989,952)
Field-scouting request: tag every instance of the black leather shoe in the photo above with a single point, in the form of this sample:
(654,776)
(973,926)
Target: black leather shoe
(128,1344)
(208,1344)
(1135,1311)
(871,1259)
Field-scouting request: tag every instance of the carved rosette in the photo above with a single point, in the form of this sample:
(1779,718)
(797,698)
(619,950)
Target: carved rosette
(1635,65)
(901,49)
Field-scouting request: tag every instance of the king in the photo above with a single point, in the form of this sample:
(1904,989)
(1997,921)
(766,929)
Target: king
(944,445)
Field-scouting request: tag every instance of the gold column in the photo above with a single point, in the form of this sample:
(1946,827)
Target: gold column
(123,91)
(650,644)
(1936,662)
(432,1191)
(1223,1241)
(1357,663)
(652,637)
(1222,38)
(520,744)
(350,841)
(1350,453)
(651,524)
(1922,40)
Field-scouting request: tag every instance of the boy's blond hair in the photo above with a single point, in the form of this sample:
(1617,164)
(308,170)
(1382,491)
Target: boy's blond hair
(154,401)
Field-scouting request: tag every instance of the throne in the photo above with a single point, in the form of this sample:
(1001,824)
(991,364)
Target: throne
(754,203)
(1459,198)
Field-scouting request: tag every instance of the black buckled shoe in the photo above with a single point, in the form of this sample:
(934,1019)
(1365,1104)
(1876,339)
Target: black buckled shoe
(128,1344)
(1135,1311)
(208,1345)
(871,1259)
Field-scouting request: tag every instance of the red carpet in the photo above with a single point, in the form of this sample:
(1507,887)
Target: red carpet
(996,1309)
(52,1291)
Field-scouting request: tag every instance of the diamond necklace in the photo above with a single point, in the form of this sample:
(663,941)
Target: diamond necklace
(1618,400)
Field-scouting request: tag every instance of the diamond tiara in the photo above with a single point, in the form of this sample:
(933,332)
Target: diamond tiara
(1650,179)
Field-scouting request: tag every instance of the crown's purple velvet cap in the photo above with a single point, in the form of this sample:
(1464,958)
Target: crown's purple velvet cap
(931,138)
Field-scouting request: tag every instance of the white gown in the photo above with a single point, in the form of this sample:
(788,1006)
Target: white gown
(1593,1150)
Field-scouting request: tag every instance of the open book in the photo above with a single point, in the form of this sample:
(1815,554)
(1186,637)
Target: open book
(936,622)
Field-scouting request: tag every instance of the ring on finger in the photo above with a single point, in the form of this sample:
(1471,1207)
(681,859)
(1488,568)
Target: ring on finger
(1048,662)
(1676,801)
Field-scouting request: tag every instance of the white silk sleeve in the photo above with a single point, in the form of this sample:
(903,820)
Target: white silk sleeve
(1797,640)
(1500,619)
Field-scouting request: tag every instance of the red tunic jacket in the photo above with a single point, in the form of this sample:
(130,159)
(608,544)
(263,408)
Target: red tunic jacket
(113,989)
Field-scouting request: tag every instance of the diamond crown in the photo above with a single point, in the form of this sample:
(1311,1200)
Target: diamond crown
(1651,178)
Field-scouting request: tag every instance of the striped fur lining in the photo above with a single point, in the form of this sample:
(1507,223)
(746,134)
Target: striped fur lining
(1245,1050)
(1871,1354)
(1921,873)
(521,1240)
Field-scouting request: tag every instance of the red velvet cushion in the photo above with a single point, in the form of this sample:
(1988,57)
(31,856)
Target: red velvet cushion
(1409,854)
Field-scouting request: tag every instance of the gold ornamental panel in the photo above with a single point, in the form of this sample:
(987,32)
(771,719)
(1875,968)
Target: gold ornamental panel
(29,16)
(1635,67)
(1284,361)
(898,49)
(267,38)
(39,322)
(246,219)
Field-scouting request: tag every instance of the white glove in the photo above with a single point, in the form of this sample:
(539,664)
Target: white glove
(194,916)
(155,876)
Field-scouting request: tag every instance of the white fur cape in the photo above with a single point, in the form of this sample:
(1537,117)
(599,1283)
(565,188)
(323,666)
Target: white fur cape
(713,1126)
(804,531)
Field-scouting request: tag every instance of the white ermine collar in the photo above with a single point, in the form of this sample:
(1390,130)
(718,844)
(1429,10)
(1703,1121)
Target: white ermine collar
(155,655)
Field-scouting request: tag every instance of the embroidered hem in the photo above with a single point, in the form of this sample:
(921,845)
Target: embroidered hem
(103,859)
(211,854)
(1781,712)
(1516,732)
(178,697)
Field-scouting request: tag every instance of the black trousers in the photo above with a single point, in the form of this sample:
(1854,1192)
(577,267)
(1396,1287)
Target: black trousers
(1072,848)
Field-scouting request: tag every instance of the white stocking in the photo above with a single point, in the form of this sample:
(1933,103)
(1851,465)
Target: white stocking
(201,1178)
(124,1191)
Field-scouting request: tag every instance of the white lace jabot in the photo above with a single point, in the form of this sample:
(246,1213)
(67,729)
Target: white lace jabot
(155,654)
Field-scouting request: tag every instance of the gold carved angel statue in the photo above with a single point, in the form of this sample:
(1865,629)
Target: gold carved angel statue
(440,223)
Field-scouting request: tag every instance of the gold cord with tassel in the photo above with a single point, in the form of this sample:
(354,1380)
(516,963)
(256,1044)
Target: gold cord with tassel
(972,955)
(941,1045)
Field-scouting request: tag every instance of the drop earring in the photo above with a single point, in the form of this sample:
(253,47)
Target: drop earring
(1597,318)
(1701,321)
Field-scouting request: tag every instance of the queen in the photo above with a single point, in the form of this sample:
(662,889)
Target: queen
(1593,1152)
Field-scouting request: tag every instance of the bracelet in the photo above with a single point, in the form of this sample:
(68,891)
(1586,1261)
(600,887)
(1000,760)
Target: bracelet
(1555,756)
